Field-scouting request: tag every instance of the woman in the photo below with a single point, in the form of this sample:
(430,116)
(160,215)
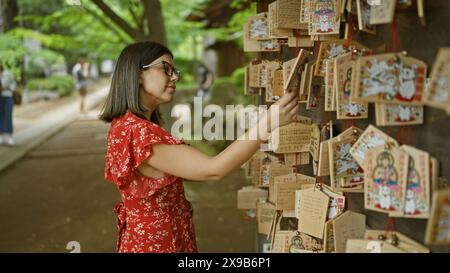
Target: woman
(7,87)
(80,75)
(148,165)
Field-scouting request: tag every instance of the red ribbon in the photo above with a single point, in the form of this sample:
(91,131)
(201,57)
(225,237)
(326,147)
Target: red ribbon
(410,135)
(350,32)
(396,40)
(390,225)
(400,135)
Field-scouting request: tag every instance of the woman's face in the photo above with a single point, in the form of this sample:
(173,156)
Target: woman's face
(155,86)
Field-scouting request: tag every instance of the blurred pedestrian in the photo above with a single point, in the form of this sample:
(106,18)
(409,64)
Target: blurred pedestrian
(7,87)
(205,79)
(80,73)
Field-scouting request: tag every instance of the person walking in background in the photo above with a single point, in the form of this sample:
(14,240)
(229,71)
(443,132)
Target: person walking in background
(7,87)
(80,75)
(205,79)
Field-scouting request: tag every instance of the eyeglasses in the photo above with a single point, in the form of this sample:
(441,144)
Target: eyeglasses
(168,68)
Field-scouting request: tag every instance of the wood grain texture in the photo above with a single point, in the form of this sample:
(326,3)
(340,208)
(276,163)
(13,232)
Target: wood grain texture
(422,42)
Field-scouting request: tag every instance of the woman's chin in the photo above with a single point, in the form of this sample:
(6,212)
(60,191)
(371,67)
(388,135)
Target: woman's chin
(168,98)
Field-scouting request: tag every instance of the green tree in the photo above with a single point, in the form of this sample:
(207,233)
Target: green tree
(100,29)
(12,52)
(147,19)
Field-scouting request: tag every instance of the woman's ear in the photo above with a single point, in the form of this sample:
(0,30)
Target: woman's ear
(140,79)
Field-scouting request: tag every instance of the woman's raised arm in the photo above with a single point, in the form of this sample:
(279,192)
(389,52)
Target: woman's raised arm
(189,163)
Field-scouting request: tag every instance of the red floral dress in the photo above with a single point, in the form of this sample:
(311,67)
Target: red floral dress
(154,215)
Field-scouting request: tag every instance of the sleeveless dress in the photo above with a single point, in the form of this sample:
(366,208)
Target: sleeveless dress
(154,215)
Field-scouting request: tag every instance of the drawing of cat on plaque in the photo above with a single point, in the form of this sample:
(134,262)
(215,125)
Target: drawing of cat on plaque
(252,45)
(438,90)
(259,28)
(390,78)
(345,168)
(398,115)
(269,45)
(345,164)
(386,170)
(331,49)
(346,108)
(324,18)
(372,137)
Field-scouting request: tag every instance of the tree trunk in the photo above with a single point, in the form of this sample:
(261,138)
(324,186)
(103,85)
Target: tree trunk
(155,21)
(1,17)
(120,22)
(154,18)
(9,10)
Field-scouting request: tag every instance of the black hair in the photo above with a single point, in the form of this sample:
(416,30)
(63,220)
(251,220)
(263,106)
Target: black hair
(124,91)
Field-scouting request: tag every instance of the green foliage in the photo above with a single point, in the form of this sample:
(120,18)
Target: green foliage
(233,31)
(238,77)
(185,65)
(38,7)
(12,52)
(63,84)
(43,58)
(230,90)
(181,33)
(71,30)
(85,30)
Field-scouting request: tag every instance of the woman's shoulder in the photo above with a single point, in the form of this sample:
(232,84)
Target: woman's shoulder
(130,121)
(132,125)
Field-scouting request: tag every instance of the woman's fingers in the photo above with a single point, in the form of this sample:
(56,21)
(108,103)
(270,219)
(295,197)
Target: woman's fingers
(293,112)
(291,104)
(286,98)
(288,108)
(284,110)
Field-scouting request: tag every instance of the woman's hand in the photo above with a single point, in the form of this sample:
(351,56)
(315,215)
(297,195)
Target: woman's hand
(288,108)
(285,110)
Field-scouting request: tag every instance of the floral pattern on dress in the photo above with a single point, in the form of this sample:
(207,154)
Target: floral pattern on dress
(154,215)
